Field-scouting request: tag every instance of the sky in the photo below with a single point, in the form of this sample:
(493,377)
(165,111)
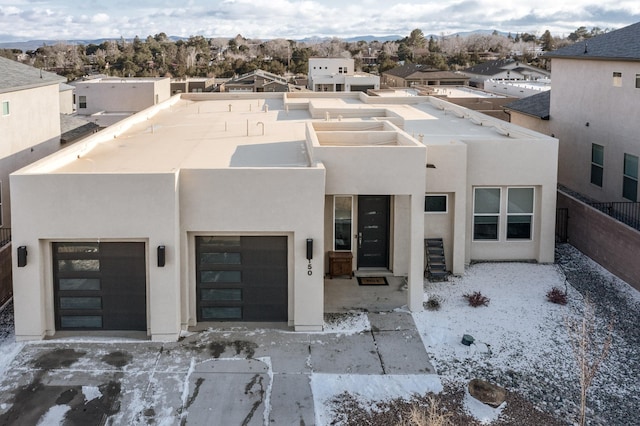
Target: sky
(63,20)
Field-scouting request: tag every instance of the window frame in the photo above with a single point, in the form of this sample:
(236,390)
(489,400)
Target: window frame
(630,178)
(637,81)
(7,109)
(350,240)
(596,165)
(81,103)
(446,204)
(497,215)
(521,214)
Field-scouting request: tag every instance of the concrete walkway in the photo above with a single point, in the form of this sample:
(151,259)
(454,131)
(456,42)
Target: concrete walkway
(231,376)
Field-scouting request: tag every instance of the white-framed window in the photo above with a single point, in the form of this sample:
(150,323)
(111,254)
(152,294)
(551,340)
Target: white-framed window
(519,213)
(342,222)
(617,79)
(637,81)
(486,213)
(630,178)
(5,108)
(489,213)
(597,164)
(82,101)
(339,70)
(436,203)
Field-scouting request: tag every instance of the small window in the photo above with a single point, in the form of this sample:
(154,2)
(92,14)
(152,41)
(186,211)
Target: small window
(630,178)
(597,164)
(435,204)
(82,101)
(617,79)
(339,70)
(5,107)
(345,70)
(486,213)
(637,81)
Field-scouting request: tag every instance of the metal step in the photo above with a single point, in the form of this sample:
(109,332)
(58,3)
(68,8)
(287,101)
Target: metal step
(435,267)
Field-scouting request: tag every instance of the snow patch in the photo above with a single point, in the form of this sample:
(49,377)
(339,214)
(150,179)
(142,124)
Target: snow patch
(91,393)
(349,323)
(54,416)
(482,412)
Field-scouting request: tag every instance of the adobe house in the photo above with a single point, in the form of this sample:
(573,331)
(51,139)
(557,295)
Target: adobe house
(229,207)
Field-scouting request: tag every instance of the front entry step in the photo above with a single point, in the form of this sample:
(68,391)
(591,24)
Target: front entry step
(435,264)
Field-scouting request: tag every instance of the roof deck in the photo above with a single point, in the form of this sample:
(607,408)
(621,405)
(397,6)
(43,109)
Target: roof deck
(258,130)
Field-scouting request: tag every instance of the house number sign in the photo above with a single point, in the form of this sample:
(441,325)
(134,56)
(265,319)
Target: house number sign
(309,268)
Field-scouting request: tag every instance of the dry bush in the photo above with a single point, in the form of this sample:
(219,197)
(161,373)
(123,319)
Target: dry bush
(433,303)
(434,416)
(556,295)
(476,299)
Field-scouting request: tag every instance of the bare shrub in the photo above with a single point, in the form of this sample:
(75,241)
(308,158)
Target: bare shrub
(433,303)
(476,299)
(433,416)
(590,349)
(556,295)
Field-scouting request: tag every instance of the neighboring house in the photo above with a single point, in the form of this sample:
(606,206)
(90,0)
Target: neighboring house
(67,105)
(192,85)
(338,75)
(594,110)
(505,70)
(205,209)
(256,81)
(29,121)
(107,100)
(409,75)
(531,112)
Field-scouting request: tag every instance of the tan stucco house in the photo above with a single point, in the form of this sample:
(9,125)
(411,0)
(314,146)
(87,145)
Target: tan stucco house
(226,207)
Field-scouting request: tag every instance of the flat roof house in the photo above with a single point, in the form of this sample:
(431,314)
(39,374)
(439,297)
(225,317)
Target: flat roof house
(214,207)
(339,75)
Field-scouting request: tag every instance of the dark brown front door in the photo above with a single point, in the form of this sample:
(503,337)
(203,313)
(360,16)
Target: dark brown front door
(100,286)
(373,231)
(242,278)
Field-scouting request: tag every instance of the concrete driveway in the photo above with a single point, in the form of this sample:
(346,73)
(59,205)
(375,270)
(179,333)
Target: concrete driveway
(215,377)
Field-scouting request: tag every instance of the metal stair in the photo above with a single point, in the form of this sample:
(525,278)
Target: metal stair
(435,266)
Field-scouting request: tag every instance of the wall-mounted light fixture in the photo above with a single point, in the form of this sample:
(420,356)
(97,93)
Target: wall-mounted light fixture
(161,256)
(22,256)
(309,248)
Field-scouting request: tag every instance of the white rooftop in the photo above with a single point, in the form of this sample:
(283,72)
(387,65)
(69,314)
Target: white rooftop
(266,130)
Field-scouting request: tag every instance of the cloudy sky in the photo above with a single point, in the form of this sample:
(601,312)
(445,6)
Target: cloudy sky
(22,20)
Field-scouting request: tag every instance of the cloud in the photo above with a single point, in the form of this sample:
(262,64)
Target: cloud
(100,18)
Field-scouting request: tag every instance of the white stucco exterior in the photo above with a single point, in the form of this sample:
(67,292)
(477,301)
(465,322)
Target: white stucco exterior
(338,75)
(270,165)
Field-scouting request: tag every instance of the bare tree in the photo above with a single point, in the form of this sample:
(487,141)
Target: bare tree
(590,349)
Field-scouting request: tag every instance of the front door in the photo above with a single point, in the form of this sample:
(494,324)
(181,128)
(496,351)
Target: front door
(373,231)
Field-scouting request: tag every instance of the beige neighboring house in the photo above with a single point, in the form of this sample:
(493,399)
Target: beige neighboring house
(339,75)
(594,110)
(504,70)
(531,112)
(410,75)
(107,100)
(192,85)
(29,121)
(229,207)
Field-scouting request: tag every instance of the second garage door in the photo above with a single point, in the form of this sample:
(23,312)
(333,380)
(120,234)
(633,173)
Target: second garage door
(241,278)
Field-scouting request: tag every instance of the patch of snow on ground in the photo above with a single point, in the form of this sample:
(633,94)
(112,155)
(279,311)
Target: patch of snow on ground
(91,393)
(54,416)
(480,411)
(325,387)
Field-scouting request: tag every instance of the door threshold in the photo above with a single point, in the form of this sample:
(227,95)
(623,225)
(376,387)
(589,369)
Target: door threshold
(373,272)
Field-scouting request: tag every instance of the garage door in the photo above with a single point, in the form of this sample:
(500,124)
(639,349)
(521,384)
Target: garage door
(241,278)
(100,286)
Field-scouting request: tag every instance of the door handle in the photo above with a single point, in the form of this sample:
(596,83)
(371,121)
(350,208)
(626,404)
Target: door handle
(359,239)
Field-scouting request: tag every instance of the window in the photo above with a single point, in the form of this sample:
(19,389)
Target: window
(597,164)
(435,203)
(486,213)
(345,70)
(82,101)
(519,213)
(617,79)
(630,178)
(339,70)
(342,213)
(5,108)
(637,81)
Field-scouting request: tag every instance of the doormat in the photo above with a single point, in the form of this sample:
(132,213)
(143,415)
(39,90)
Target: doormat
(372,281)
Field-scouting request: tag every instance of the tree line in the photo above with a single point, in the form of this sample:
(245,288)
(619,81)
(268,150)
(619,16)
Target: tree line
(197,56)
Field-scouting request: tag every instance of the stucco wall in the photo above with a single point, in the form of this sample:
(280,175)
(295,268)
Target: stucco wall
(529,122)
(125,95)
(612,244)
(583,92)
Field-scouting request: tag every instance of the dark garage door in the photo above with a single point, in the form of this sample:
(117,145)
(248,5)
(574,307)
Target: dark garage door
(100,286)
(241,278)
